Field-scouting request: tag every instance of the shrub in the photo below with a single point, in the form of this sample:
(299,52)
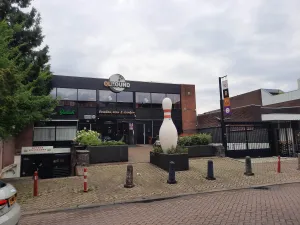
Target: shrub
(93,138)
(195,139)
(178,150)
(88,137)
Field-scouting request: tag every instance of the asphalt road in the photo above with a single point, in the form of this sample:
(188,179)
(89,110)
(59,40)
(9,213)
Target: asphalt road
(276,205)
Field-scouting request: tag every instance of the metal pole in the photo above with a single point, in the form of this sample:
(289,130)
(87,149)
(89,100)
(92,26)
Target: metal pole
(222,116)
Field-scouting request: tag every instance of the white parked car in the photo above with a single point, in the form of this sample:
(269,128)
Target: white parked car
(10,211)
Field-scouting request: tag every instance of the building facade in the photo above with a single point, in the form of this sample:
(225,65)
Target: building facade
(114,107)
(272,108)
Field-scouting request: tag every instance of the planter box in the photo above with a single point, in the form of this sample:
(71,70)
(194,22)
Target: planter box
(162,161)
(201,151)
(105,154)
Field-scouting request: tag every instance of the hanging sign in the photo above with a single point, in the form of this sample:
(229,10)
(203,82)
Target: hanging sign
(66,112)
(226,102)
(227,108)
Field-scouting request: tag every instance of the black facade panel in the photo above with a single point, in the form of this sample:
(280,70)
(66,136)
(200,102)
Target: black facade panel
(86,111)
(98,84)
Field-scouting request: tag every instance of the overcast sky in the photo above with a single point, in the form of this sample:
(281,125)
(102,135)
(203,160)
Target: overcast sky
(257,42)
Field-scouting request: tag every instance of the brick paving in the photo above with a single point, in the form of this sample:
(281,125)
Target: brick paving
(278,205)
(106,183)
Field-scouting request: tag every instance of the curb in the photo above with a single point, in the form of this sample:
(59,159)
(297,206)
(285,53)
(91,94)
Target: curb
(153,199)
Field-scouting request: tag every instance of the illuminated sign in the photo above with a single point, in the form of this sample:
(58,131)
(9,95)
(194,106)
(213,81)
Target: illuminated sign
(117,83)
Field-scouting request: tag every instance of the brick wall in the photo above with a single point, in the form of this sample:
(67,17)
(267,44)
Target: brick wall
(7,152)
(188,106)
(249,98)
(24,139)
(241,114)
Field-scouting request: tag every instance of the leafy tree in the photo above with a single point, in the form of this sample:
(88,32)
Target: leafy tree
(29,38)
(19,105)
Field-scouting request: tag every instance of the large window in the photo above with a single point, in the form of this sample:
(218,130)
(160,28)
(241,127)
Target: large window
(65,133)
(157,99)
(86,95)
(44,134)
(143,100)
(175,100)
(125,97)
(107,96)
(67,94)
(53,93)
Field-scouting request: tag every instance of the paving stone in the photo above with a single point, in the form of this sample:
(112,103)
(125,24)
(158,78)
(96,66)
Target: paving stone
(278,205)
(106,183)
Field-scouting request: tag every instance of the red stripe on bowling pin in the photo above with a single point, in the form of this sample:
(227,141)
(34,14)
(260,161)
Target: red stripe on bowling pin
(85,188)
(167,113)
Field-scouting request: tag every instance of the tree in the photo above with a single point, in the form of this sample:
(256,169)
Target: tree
(19,105)
(28,37)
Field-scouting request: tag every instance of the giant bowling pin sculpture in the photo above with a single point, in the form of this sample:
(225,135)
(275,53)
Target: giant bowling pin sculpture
(168,135)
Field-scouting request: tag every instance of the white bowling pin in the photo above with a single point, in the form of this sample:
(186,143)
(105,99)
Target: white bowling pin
(168,135)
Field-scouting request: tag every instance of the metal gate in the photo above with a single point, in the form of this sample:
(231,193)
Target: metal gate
(287,139)
(249,139)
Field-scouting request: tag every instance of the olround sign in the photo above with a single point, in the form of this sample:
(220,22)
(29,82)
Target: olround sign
(117,83)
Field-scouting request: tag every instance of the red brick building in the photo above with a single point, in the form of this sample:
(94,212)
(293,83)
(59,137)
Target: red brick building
(258,105)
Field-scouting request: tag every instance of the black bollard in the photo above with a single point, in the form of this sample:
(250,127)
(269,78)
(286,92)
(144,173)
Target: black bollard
(210,170)
(171,179)
(248,167)
(129,177)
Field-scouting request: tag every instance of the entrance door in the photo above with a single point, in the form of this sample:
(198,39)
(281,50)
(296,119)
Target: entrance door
(144,131)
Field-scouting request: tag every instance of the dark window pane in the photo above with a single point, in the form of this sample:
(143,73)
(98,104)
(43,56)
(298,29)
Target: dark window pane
(143,97)
(86,95)
(67,94)
(175,100)
(124,106)
(157,98)
(67,103)
(125,97)
(108,105)
(107,96)
(87,104)
(53,93)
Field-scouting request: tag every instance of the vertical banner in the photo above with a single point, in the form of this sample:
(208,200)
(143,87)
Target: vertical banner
(226,103)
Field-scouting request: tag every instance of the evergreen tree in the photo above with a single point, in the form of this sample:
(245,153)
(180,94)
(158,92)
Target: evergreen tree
(29,40)
(19,106)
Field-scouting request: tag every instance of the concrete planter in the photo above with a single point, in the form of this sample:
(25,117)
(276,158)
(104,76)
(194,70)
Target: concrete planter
(201,151)
(162,161)
(105,154)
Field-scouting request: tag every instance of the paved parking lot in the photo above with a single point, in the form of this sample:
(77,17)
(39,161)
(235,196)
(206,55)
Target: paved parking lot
(106,183)
(278,205)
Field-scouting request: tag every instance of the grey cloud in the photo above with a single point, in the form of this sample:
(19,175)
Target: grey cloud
(253,49)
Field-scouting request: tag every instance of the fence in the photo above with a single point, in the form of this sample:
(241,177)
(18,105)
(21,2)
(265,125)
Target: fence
(259,139)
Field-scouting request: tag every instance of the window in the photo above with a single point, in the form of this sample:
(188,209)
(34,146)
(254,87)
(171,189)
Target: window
(44,134)
(125,97)
(107,96)
(175,100)
(67,94)
(53,93)
(86,95)
(143,100)
(157,99)
(65,133)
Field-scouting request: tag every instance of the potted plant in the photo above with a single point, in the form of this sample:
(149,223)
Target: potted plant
(198,145)
(102,151)
(178,155)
